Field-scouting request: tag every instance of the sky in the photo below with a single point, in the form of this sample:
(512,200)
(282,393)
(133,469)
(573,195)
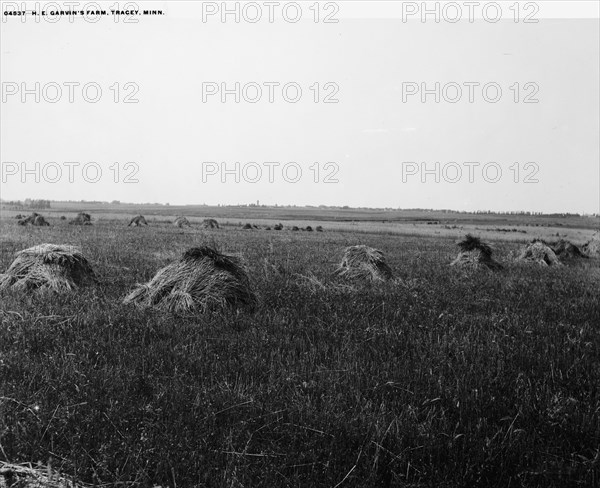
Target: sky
(528,141)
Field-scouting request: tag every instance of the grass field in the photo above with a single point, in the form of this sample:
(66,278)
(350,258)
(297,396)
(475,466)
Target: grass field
(442,378)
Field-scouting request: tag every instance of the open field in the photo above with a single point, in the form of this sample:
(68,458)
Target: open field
(440,378)
(522,228)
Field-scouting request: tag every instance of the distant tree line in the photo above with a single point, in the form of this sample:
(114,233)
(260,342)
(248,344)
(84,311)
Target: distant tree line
(27,203)
(41,204)
(45,204)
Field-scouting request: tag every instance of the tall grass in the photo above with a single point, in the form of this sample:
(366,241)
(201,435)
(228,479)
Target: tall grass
(441,378)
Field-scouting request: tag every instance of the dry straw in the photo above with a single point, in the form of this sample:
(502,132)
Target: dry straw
(34,219)
(137,221)
(592,247)
(475,254)
(566,250)
(81,218)
(539,252)
(26,476)
(181,222)
(210,224)
(48,267)
(364,263)
(202,279)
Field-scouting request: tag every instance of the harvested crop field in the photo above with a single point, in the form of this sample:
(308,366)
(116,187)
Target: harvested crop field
(435,378)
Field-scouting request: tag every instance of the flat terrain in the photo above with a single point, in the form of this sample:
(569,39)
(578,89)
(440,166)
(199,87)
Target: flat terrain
(441,378)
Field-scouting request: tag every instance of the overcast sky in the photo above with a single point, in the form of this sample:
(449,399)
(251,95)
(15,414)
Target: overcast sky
(378,138)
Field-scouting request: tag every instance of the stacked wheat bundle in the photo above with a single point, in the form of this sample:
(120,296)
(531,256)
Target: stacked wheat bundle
(81,218)
(364,263)
(34,219)
(210,224)
(26,476)
(48,267)
(539,252)
(137,221)
(201,280)
(475,254)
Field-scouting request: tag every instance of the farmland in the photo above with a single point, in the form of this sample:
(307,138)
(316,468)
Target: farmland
(443,377)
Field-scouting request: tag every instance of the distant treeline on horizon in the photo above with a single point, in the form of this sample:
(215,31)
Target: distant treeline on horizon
(40,204)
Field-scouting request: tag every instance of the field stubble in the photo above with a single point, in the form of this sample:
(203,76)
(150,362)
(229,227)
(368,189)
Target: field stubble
(442,377)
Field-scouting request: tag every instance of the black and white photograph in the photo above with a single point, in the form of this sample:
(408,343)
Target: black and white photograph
(300,244)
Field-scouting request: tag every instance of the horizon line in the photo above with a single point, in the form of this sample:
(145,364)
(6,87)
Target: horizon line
(322,206)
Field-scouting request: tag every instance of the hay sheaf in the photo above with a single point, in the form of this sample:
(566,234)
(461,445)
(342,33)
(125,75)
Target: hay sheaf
(364,263)
(592,247)
(181,222)
(26,476)
(48,266)
(474,259)
(210,224)
(472,243)
(137,221)
(475,254)
(34,219)
(201,280)
(26,219)
(539,252)
(40,221)
(81,218)
(567,250)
